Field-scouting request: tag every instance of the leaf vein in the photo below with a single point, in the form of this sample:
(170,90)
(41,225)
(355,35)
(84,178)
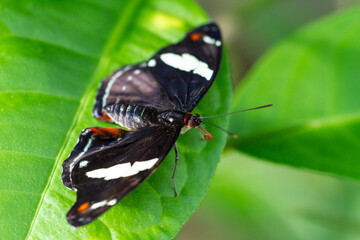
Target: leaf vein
(116,35)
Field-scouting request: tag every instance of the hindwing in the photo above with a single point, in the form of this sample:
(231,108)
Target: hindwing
(106,165)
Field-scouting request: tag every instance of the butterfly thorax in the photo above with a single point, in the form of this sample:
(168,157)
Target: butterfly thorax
(185,121)
(171,118)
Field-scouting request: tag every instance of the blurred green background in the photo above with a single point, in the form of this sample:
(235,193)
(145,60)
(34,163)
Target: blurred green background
(250,27)
(254,199)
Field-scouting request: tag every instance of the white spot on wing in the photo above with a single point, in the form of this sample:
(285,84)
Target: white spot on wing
(137,71)
(98,204)
(86,148)
(152,63)
(83,163)
(112,202)
(122,170)
(123,88)
(203,70)
(187,62)
(210,40)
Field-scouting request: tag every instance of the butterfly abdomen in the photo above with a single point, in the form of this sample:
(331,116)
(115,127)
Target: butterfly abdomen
(131,116)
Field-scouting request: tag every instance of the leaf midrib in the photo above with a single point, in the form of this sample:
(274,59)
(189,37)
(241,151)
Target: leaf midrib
(131,9)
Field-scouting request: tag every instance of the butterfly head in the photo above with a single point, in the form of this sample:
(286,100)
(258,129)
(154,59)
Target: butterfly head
(194,121)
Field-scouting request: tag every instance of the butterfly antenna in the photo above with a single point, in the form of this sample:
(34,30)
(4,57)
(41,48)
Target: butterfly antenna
(234,135)
(269,105)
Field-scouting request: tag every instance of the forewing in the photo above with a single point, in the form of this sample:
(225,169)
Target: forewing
(130,85)
(112,167)
(177,77)
(187,70)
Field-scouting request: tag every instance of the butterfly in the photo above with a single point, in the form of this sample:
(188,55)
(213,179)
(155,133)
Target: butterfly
(153,100)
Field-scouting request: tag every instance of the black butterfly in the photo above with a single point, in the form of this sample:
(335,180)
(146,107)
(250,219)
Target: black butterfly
(153,100)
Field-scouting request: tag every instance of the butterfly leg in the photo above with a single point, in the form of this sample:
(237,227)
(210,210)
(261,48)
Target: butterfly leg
(176,159)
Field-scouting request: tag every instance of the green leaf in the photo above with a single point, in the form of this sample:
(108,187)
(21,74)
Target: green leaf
(313,80)
(257,200)
(52,57)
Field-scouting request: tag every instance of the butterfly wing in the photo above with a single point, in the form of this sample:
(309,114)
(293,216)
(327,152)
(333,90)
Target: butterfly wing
(177,77)
(107,163)
(187,70)
(130,85)
(91,141)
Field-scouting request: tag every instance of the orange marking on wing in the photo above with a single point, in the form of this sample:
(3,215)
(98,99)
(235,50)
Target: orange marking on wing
(96,131)
(109,132)
(105,117)
(196,36)
(83,207)
(113,131)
